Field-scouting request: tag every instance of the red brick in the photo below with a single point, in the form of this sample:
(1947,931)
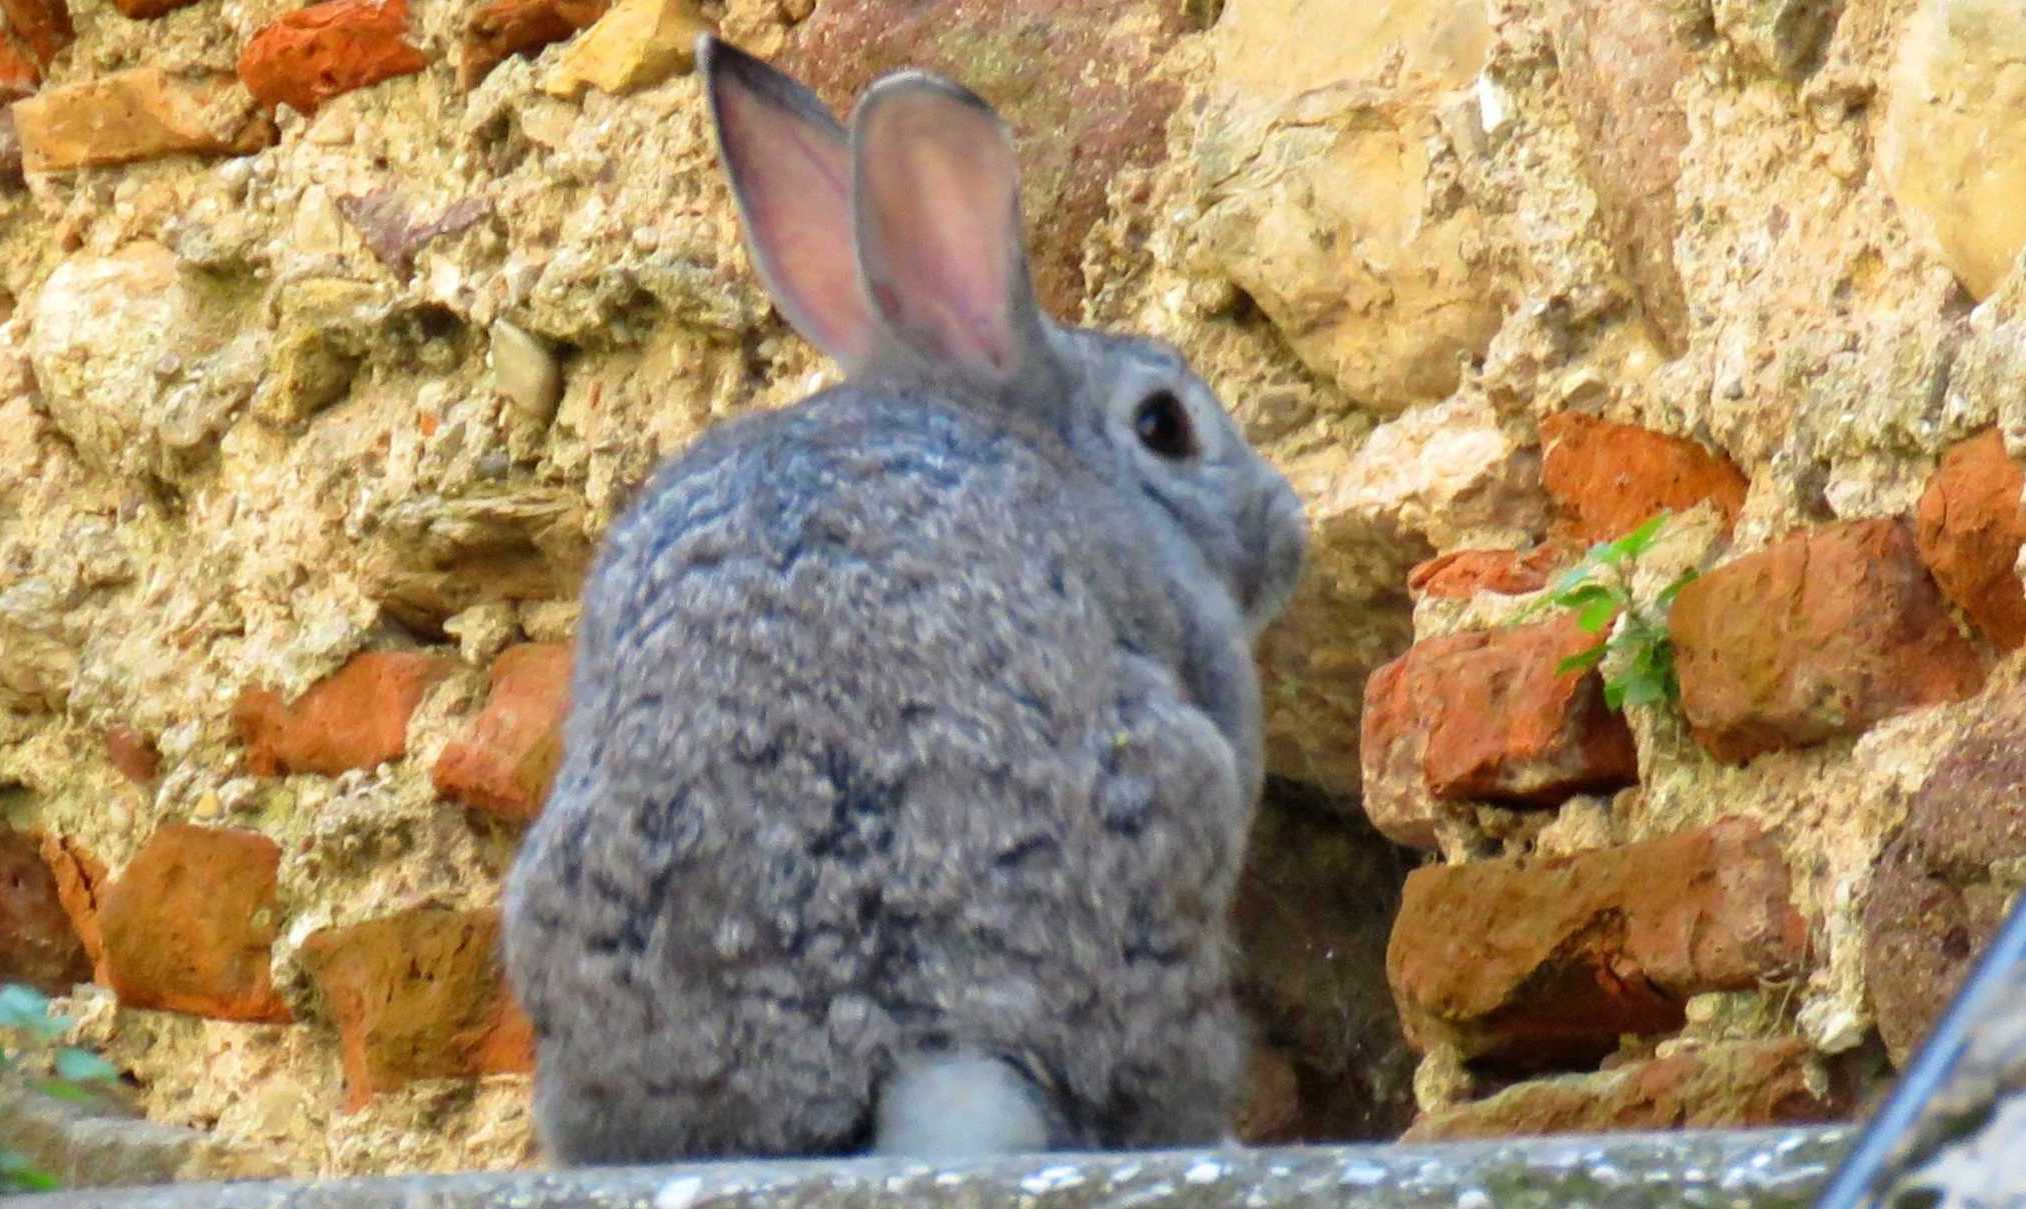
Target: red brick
(505,762)
(1461,574)
(1075,79)
(1740,1085)
(38,943)
(147,10)
(1523,962)
(133,753)
(355,718)
(1485,716)
(140,114)
(189,923)
(1606,479)
(419,995)
(42,27)
(315,53)
(1825,633)
(18,74)
(80,879)
(501,28)
(1509,727)
(1392,746)
(1970,527)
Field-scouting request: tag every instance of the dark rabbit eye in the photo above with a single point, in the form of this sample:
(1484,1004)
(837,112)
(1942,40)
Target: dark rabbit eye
(1163,425)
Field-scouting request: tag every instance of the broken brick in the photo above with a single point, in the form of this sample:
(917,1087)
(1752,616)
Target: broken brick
(1461,574)
(1824,633)
(500,29)
(133,753)
(18,74)
(1528,962)
(354,718)
(506,760)
(80,880)
(148,10)
(419,995)
(1737,1085)
(1487,716)
(1607,479)
(1970,527)
(43,28)
(189,923)
(38,943)
(313,54)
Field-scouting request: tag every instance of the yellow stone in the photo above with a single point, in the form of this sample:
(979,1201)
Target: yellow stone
(141,114)
(635,44)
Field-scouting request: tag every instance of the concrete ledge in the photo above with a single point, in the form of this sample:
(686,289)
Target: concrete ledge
(92,1144)
(1769,1169)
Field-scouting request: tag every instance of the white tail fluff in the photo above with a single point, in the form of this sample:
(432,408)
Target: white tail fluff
(958,1106)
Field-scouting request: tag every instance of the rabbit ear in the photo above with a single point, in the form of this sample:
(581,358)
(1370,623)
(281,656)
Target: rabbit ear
(936,200)
(790,168)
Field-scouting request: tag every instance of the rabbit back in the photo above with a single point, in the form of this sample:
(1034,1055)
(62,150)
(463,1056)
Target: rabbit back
(878,746)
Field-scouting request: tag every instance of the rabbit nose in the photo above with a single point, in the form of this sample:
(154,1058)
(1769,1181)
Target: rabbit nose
(1286,539)
(1279,537)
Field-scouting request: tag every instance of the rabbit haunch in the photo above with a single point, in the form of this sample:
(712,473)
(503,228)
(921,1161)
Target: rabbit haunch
(914,732)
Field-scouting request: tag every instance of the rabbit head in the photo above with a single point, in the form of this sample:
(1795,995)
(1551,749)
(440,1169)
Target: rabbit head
(896,248)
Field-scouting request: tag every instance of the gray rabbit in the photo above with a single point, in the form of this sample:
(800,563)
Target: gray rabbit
(914,733)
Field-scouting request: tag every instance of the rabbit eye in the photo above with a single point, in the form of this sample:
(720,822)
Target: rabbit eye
(1163,425)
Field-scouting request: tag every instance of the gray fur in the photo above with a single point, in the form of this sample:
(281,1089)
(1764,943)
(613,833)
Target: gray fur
(914,724)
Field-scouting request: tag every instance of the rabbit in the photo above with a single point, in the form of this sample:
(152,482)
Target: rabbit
(914,732)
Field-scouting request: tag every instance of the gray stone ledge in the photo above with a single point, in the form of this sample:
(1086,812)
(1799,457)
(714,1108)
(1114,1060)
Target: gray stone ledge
(1766,1169)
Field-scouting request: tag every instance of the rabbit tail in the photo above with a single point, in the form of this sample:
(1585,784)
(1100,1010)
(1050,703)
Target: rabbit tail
(962,1105)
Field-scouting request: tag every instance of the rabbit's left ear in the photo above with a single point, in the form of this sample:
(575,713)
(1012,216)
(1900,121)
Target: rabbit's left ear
(790,166)
(936,203)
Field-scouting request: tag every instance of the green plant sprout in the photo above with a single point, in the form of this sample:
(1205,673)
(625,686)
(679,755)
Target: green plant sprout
(28,1030)
(1597,590)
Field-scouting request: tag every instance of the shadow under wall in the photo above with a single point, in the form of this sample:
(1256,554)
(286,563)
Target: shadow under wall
(1314,910)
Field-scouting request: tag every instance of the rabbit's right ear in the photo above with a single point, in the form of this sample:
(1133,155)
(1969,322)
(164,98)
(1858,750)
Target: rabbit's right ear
(937,200)
(790,168)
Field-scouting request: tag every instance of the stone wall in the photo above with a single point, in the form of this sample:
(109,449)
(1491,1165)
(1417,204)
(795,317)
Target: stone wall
(332,338)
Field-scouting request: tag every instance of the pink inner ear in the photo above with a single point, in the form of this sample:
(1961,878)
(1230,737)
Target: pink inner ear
(795,180)
(941,217)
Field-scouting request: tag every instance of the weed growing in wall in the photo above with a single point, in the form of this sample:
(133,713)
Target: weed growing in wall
(1597,590)
(28,1032)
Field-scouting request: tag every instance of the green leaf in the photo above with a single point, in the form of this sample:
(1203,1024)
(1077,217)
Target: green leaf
(1639,540)
(1597,614)
(1569,580)
(63,1089)
(1577,597)
(24,1007)
(17,1172)
(1614,694)
(83,1066)
(1645,688)
(1581,661)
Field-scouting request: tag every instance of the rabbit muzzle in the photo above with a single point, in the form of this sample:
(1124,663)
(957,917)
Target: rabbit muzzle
(1279,526)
